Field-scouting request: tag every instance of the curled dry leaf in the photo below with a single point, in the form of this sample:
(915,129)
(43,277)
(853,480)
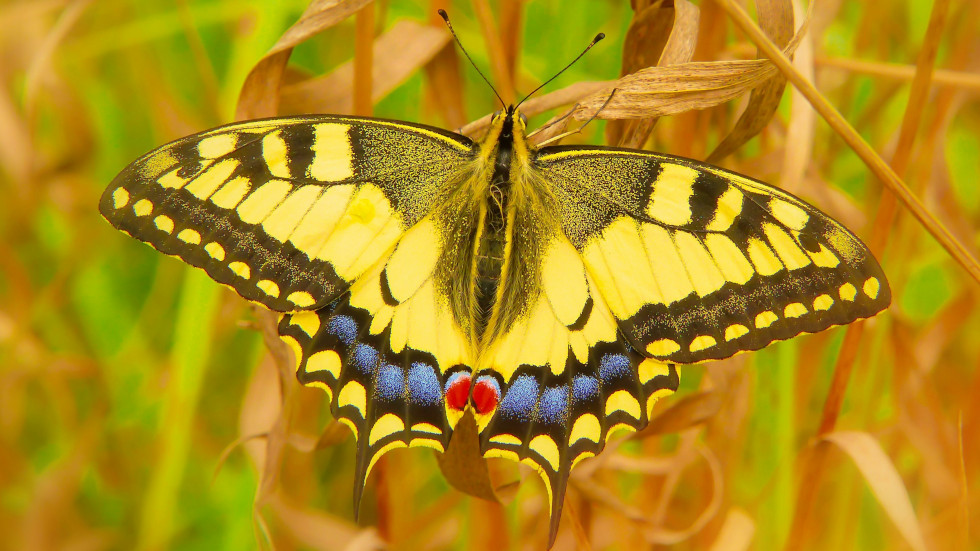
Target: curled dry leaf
(883,479)
(678,48)
(656,534)
(665,536)
(776,19)
(655,91)
(659,91)
(398,53)
(260,93)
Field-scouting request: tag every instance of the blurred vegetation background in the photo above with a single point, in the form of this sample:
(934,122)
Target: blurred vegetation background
(140,407)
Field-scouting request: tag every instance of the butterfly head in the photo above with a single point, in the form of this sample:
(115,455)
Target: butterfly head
(510,121)
(508,129)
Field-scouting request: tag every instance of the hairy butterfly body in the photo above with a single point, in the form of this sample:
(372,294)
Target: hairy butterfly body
(551,292)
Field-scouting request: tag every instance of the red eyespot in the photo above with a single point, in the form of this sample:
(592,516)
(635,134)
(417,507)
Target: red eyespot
(485,395)
(458,391)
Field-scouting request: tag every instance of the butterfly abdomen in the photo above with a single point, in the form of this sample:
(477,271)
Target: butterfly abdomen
(492,244)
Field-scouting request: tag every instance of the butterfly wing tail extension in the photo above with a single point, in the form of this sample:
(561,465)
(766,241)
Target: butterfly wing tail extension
(553,421)
(388,400)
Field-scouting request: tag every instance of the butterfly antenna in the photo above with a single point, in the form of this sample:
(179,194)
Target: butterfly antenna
(579,129)
(597,38)
(445,17)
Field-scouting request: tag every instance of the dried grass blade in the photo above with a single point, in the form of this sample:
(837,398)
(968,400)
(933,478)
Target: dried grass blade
(444,88)
(363,60)
(398,53)
(884,481)
(776,19)
(41,60)
(884,221)
(260,93)
(802,122)
(940,77)
(502,74)
(736,532)
(867,154)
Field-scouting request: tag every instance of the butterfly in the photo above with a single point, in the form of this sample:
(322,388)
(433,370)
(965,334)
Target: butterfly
(550,292)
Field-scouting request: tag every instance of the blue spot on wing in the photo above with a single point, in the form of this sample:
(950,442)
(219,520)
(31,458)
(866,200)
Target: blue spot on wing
(344,328)
(390,383)
(584,388)
(613,366)
(553,407)
(423,385)
(520,398)
(365,358)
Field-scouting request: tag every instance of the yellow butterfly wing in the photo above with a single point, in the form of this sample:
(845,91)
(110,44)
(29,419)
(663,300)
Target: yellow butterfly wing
(344,225)
(699,263)
(287,211)
(631,262)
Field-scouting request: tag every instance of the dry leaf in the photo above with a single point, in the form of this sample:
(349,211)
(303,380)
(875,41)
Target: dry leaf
(398,53)
(659,91)
(883,479)
(688,411)
(314,528)
(664,536)
(678,48)
(501,72)
(776,19)
(260,93)
(463,465)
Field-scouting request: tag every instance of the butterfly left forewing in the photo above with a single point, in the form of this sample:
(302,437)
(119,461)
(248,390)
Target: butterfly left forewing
(698,263)
(288,211)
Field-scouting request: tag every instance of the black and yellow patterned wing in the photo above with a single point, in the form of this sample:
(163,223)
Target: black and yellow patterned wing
(385,351)
(698,263)
(287,211)
(340,223)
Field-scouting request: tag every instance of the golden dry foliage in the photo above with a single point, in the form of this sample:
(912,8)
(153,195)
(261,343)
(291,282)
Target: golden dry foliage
(144,407)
